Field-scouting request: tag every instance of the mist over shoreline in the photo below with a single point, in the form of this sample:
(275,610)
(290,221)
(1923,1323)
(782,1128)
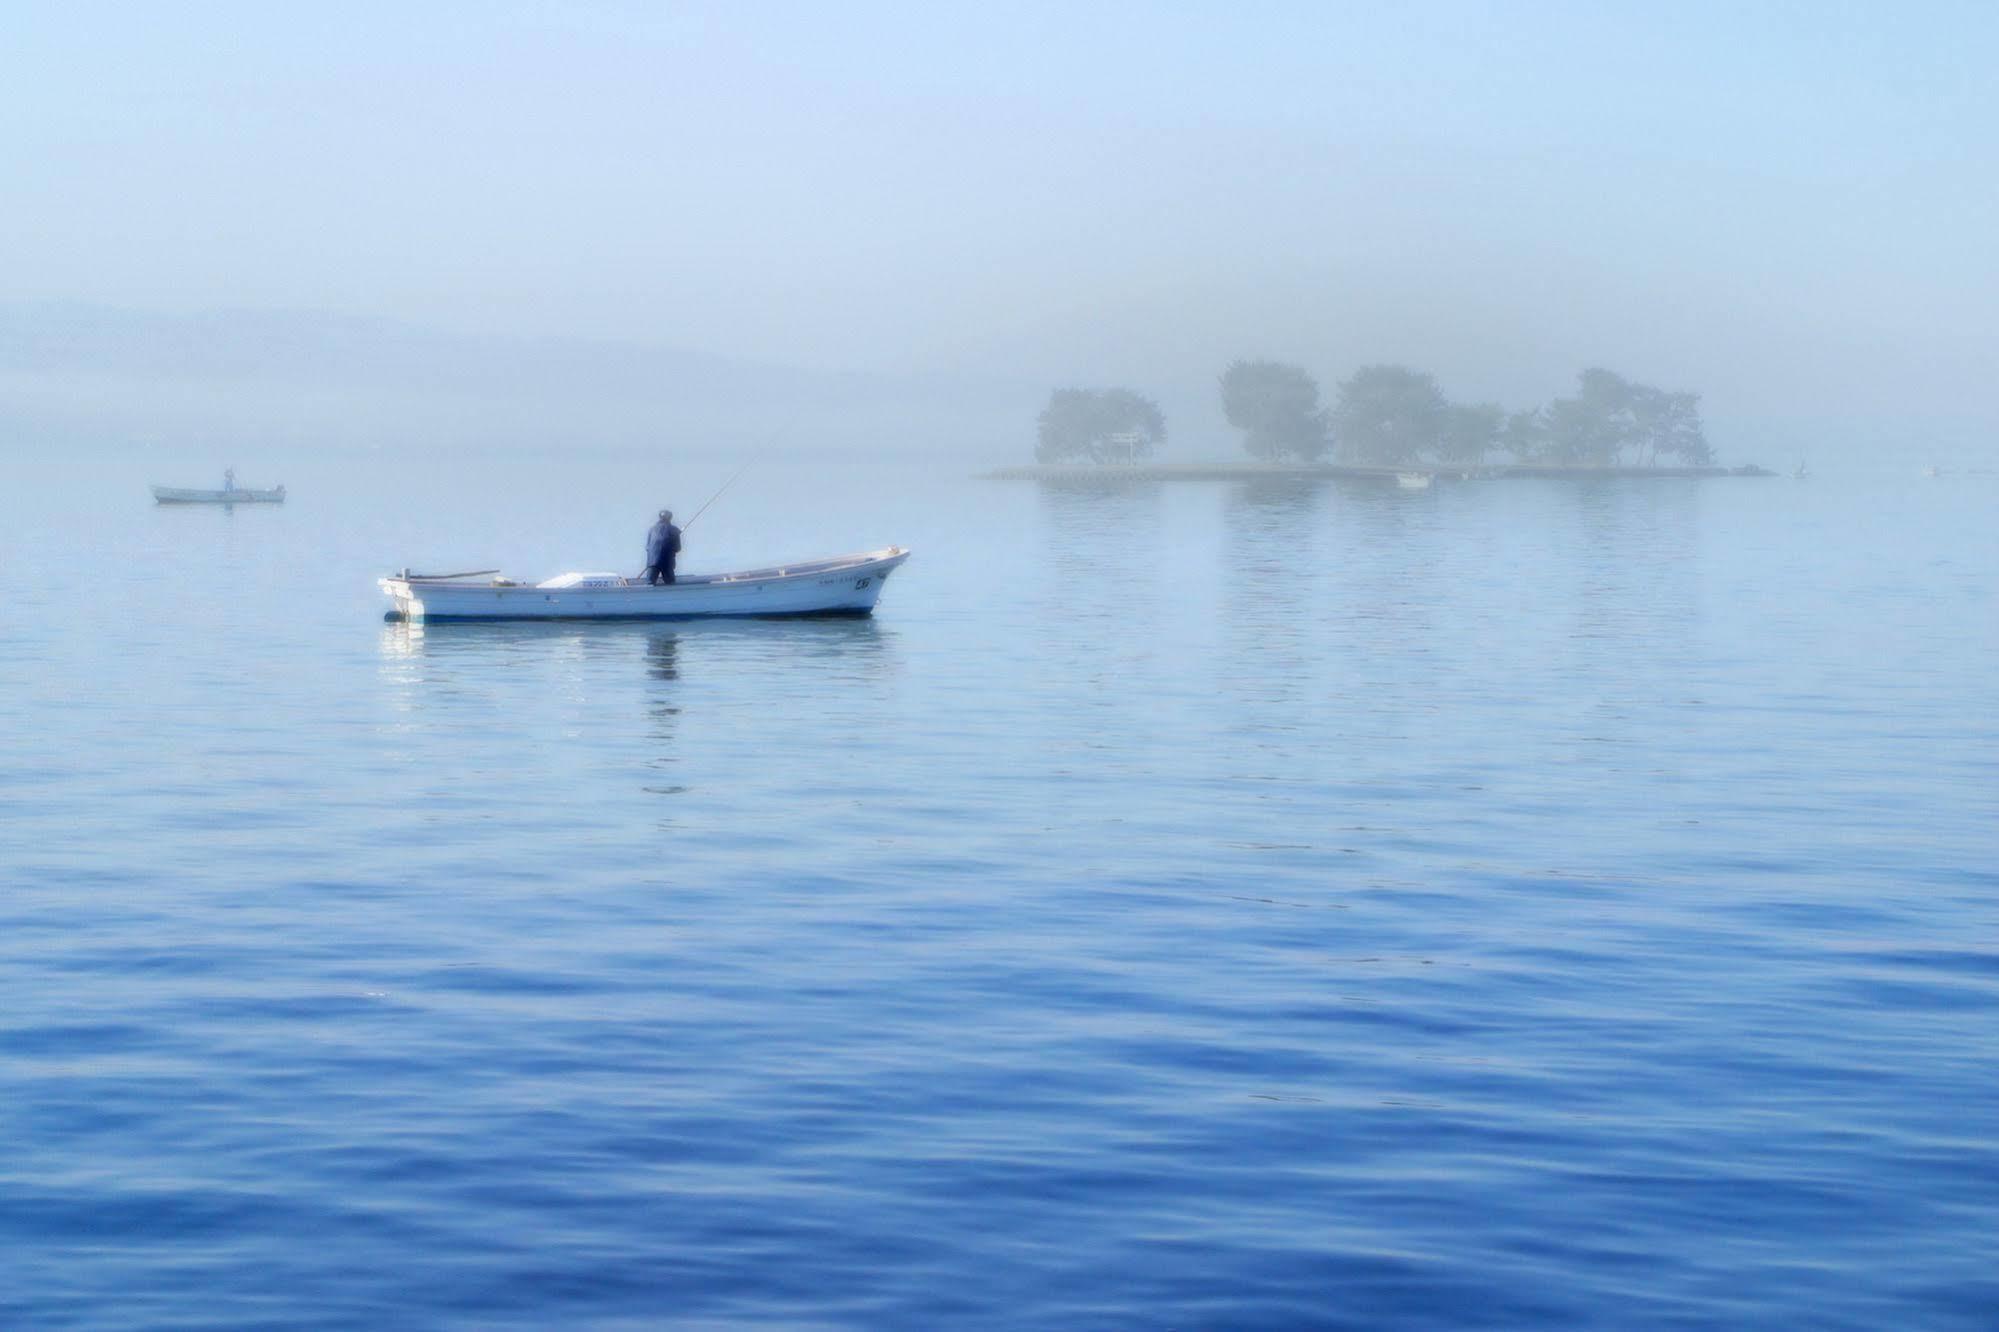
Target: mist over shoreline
(74,374)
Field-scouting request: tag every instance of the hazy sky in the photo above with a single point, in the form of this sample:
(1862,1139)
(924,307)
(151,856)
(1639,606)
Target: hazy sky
(1776,204)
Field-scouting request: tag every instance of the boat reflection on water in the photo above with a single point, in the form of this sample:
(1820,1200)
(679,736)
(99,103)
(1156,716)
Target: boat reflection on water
(663,657)
(663,708)
(631,693)
(807,641)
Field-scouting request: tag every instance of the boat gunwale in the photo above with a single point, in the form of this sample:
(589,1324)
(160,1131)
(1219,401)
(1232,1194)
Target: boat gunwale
(828,613)
(632,600)
(781,573)
(192,495)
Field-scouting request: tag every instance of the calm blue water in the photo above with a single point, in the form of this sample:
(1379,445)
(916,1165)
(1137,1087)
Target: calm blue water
(1203,906)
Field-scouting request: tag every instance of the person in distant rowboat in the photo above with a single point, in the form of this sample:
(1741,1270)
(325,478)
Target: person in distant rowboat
(662,548)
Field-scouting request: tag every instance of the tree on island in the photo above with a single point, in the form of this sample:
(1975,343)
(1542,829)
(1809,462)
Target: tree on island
(1276,406)
(1525,434)
(1669,425)
(1609,415)
(1592,428)
(1098,425)
(1393,416)
(1468,432)
(1388,414)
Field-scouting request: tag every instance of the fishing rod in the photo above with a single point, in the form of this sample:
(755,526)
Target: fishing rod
(717,495)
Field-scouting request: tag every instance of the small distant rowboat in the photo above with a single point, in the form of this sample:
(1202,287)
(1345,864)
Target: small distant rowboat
(231,493)
(171,495)
(843,585)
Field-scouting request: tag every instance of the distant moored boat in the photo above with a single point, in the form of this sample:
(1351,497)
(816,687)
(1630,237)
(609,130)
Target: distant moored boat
(231,493)
(1413,480)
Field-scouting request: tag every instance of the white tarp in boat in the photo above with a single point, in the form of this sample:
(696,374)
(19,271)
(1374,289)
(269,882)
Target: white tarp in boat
(584,580)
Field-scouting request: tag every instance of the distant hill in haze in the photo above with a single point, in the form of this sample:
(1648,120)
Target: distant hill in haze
(79,374)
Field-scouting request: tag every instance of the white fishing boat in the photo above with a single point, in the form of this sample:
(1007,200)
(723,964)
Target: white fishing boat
(1413,480)
(843,585)
(231,493)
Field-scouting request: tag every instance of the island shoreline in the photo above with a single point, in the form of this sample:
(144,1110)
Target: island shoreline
(1119,472)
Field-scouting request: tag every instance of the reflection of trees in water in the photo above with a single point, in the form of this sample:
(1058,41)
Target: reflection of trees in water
(1105,541)
(1103,559)
(1274,533)
(1273,574)
(1633,556)
(1612,610)
(1389,548)
(1351,594)
(1281,494)
(1087,523)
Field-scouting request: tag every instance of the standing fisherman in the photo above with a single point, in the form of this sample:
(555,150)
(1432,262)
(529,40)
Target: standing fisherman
(662,547)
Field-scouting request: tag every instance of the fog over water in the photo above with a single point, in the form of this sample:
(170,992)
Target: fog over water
(950,209)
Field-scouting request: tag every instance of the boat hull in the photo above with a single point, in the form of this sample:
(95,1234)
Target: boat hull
(848,585)
(172,495)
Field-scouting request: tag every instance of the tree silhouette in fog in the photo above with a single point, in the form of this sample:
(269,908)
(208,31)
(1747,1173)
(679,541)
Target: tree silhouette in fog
(1276,406)
(1391,415)
(1386,414)
(1608,418)
(1098,425)
(1469,431)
